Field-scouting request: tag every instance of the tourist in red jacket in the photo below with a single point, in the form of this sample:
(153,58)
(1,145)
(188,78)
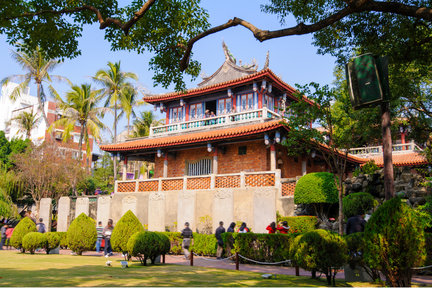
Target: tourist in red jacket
(284,228)
(271,228)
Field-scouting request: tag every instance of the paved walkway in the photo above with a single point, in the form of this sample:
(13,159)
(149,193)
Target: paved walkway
(230,265)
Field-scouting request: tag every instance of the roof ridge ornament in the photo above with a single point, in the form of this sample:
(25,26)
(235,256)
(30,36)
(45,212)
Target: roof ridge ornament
(266,64)
(228,55)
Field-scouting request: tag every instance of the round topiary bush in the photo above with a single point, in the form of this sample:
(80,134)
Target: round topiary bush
(52,241)
(26,225)
(320,250)
(147,245)
(32,241)
(357,204)
(125,228)
(394,242)
(63,240)
(81,235)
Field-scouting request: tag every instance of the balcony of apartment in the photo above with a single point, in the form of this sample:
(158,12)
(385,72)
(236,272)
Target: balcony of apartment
(366,152)
(224,120)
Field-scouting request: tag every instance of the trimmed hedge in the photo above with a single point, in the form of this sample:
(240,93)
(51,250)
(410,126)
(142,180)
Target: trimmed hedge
(320,250)
(316,187)
(204,244)
(357,204)
(32,241)
(175,242)
(81,235)
(148,245)
(26,225)
(63,240)
(395,242)
(124,229)
(300,224)
(52,241)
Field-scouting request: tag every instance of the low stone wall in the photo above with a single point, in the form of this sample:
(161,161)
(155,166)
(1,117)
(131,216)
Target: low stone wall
(408,185)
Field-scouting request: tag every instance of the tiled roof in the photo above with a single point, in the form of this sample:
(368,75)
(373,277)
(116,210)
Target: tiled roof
(402,159)
(276,82)
(194,137)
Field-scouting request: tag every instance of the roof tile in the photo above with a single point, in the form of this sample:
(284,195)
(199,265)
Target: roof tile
(405,159)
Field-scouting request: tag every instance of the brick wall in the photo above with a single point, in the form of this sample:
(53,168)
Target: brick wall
(292,166)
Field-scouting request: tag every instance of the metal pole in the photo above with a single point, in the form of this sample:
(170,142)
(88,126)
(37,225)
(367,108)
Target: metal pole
(191,258)
(387,151)
(163,258)
(237,261)
(297,271)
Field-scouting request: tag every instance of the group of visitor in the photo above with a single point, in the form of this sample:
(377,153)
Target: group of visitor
(282,228)
(104,237)
(6,234)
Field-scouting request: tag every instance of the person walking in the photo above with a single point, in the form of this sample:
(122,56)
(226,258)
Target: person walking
(99,230)
(355,224)
(271,228)
(231,227)
(283,228)
(41,226)
(106,234)
(187,239)
(9,232)
(3,235)
(243,228)
(220,243)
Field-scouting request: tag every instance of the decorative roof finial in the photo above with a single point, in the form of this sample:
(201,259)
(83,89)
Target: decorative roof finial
(228,55)
(266,64)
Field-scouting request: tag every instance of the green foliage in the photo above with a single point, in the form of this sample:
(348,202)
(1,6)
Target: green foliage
(424,213)
(369,168)
(103,173)
(395,242)
(316,187)
(26,225)
(33,240)
(10,148)
(428,245)
(52,241)
(87,186)
(81,235)
(124,229)
(148,245)
(299,224)
(175,242)
(357,204)
(319,250)
(204,244)
(63,240)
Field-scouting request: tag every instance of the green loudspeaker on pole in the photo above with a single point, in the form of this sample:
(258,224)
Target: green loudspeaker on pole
(368,85)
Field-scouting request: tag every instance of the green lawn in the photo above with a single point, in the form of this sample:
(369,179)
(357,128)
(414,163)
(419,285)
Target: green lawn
(65,270)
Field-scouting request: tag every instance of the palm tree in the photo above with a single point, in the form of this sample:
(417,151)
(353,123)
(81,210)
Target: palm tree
(26,121)
(114,81)
(141,125)
(128,101)
(80,107)
(38,68)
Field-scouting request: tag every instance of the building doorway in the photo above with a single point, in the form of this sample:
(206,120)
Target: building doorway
(211,106)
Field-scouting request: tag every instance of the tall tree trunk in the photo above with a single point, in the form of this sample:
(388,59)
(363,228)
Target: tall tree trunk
(128,125)
(115,140)
(41,105)
(387,151)
(341,194)
(80,142)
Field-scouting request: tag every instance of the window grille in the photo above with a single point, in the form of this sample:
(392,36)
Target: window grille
(200,167)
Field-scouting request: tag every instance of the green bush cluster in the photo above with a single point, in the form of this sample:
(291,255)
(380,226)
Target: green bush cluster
(357,204)
(81,235)
(175,242)
(369,168)
(299,224)
(204,244)
(124,229)
(52,241)
(316,187)
(320,250)
(63,240)
(395,242)
(32,241)
(148,245)
(26,225)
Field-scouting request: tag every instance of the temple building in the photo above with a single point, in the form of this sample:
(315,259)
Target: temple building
(219,155)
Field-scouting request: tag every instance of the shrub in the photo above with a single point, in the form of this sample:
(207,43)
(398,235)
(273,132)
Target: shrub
(204,244)
(63,240)
(394,242)
(175,242)
(147,245)
(32,241)
(299,224)
(316,189)
(320,250)
(357,204)
(26,225)
(369,168)
(81,235)
(125,228)
(52,241)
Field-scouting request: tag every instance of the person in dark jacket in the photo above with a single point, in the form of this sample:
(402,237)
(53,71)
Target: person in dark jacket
(231,227)
(3,235)
(243,228)
(220,244)
(271,228)
(41,226)
(187,239)
(355,224)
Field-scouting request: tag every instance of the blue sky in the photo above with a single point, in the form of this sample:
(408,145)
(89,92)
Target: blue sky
(293,58)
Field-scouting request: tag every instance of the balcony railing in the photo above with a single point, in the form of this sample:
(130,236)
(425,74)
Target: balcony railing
(216,121)
(397,148)
(204,182)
